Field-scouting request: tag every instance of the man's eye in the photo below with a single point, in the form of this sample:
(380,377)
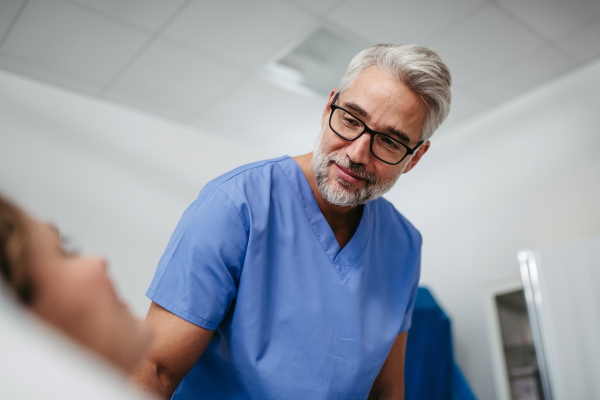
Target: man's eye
(351,122)
(389,142)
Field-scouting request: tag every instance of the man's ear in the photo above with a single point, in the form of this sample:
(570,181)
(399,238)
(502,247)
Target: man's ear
(328,107)
(417,156)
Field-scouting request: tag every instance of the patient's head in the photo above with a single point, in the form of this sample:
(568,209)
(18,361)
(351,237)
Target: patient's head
(70,291)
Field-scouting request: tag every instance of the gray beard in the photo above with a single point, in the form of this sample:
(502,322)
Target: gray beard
(344,196)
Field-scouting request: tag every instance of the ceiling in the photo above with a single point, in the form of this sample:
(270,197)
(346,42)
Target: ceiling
(200,62)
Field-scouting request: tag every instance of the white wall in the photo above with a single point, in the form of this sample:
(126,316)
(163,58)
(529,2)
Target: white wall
(525,175)
(113,179)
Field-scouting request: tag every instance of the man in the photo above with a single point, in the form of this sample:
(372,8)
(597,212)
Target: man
(291,278)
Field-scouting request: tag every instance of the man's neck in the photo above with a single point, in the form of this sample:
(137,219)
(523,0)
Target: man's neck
(343,221)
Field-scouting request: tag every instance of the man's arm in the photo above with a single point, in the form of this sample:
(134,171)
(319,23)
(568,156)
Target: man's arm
(178,345)
(389,384)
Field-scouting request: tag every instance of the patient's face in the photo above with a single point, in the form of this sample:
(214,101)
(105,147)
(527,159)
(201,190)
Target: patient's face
(73,293)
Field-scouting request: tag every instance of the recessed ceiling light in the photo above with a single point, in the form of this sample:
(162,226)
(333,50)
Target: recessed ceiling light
(316,65)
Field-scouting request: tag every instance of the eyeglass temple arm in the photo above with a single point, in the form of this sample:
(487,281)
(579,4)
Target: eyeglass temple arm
(337,94)
(413,150)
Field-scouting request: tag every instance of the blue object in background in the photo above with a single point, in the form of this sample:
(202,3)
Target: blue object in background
(430,370)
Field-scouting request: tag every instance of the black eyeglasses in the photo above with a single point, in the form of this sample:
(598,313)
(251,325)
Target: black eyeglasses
(384,147)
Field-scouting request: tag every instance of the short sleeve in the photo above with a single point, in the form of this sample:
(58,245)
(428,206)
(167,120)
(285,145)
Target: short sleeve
(198,274)
(407,321)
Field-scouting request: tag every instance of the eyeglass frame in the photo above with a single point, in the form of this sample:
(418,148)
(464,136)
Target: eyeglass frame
(409,151)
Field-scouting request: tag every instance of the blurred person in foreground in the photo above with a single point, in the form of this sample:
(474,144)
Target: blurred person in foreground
(68,291)
(292,278)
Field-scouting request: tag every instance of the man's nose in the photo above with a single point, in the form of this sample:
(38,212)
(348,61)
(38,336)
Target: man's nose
(359,150)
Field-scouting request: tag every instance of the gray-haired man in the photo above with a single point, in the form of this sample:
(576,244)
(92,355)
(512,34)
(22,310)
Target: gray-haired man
(292,278)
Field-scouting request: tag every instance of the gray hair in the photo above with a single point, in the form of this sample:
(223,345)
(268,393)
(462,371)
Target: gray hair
(419,68)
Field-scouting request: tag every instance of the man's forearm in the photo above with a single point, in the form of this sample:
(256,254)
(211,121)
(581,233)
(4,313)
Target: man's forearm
(397,394)
(147,377)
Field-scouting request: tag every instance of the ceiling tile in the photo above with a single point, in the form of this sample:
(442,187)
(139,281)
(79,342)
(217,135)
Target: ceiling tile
(404,21)
(8,11)
(553,18)
(149,14)
(316,6)
(527,72)
(584,42)
(262,113)
(49,75)
(484,45)
(67,38)
(464,106)
(172,81)
(244,32)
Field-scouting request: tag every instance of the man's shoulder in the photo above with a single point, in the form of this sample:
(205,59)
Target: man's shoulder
(248,176)
(394,220)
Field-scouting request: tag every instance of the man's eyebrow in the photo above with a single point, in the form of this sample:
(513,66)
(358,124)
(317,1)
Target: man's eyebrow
(403,137)
(356,108)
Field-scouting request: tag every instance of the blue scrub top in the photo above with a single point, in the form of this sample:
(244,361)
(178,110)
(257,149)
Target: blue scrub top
(295,317)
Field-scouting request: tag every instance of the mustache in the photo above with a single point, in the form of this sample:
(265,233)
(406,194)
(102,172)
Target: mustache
(358,169)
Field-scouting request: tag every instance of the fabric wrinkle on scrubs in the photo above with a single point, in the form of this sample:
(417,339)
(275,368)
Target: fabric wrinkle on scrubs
(295,317)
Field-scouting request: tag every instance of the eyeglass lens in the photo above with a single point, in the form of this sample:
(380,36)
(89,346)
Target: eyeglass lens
(350,128)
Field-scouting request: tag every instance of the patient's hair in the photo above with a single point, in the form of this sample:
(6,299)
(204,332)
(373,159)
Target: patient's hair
(15,251)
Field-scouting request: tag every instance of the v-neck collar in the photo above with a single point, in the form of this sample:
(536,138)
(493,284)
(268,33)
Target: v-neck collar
(344,258)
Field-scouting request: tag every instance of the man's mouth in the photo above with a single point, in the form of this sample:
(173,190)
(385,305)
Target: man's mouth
(348,175)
